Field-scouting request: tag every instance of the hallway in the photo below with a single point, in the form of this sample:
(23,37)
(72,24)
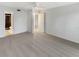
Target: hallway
(37,44)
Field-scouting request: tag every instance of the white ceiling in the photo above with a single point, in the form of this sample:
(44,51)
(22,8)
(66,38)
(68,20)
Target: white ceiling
(30,5)
(47,5)
(23,5)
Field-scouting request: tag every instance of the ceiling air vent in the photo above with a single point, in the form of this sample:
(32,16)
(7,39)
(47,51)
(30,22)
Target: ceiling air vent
(18,10)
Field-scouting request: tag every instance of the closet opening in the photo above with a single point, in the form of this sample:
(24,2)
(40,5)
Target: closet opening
(8,24)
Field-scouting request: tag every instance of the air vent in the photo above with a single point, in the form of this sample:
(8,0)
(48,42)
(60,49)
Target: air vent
(18,10)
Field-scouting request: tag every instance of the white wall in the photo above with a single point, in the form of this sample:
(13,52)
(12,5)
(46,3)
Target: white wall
(19,20)
(2,25)
(29,21)
(63,22)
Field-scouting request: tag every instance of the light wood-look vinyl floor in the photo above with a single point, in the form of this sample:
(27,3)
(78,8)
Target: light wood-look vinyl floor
(37,45)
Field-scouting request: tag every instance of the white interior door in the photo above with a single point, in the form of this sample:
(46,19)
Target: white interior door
(41,22)
(38,20)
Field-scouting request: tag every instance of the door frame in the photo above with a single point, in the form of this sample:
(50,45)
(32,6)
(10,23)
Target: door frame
(12,21)
(33,21)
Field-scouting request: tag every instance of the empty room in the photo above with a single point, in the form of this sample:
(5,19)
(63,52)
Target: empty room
(39,29)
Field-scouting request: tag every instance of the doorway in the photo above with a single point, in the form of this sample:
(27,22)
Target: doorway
(38,22)
(8,24)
